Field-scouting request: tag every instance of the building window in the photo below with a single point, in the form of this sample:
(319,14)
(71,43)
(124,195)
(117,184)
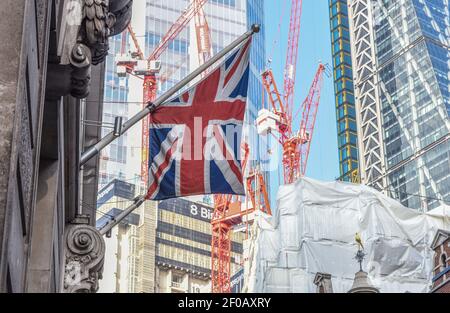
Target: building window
(443,261)
(228,3)
(176,280)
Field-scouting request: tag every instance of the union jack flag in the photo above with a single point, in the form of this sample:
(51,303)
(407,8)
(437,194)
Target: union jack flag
(195,137)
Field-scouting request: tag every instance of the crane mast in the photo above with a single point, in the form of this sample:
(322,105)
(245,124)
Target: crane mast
(227,208)
(204,41)
(228,213)
(290,70)
(310,110)
(295,145)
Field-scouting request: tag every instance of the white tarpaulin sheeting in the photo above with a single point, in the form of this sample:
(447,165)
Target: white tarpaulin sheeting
(313,231)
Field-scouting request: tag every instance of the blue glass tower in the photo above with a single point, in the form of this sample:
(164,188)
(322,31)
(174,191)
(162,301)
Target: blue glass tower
(115,105)
(255,15)
(344,92)
(402,53)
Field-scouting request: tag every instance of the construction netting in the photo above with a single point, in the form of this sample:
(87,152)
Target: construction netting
(313,230)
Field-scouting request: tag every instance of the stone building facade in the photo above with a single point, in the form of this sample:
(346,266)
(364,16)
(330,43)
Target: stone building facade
(52,53)
(441,269)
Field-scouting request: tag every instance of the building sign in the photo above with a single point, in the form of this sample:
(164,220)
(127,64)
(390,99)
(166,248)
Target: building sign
(116,188)
(124,190)
(187,208)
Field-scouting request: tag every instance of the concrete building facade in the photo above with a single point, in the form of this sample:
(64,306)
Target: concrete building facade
(126,250)
(52,55)
(401,55)
(22,101)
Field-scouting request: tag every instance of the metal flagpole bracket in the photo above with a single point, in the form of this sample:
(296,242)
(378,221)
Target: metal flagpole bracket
(151,107)
(137,202)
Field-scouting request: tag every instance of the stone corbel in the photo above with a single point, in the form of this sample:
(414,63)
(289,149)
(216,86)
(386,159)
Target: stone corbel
(86,26)
(84,252)
(72,78)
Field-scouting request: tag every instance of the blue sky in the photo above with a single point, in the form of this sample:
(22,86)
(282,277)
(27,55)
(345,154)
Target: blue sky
(314,46)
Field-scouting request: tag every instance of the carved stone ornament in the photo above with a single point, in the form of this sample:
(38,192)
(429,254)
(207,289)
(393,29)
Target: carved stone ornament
(84,253)
(81,71)
(83,42)
(73,78)
(102,19)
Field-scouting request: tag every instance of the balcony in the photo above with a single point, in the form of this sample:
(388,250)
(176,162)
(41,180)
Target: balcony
(176,287)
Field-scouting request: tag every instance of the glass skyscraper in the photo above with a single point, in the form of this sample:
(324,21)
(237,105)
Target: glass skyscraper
(255,15)
(344,91)
(401,57)
(114,157)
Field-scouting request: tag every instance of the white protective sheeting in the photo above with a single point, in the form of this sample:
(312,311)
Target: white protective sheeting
(313,231)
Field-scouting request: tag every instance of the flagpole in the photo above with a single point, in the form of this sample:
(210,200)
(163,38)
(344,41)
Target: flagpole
(91,152)
(113,135)
(137,202)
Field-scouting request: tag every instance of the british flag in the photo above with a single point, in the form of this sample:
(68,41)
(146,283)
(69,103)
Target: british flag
(195,137)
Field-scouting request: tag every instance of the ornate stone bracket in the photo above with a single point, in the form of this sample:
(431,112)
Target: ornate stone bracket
(87,26)
(84,254)
(73,78)
(100,20)
(84,41)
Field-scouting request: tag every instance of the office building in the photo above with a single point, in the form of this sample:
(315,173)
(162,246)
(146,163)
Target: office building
(401,61)
(344,92)
(130,247)
(171,253)
(183,247)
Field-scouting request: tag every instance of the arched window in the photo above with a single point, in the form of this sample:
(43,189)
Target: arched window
(443,261)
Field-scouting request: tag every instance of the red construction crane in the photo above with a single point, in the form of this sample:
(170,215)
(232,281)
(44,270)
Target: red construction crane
(228,212)
(150,69)
(295,144)
(204,41)
(290,69)
(227,208)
